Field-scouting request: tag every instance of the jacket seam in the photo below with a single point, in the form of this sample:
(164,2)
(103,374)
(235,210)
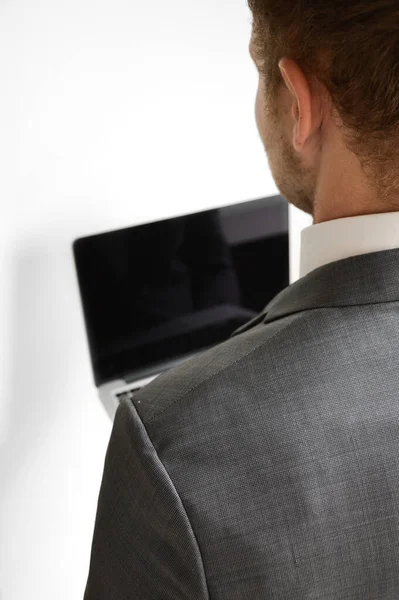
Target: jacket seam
(181,503)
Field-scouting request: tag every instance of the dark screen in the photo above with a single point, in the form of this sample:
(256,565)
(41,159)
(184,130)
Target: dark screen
(155,292)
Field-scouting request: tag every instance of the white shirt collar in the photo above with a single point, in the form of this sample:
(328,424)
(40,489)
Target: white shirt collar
(341,238)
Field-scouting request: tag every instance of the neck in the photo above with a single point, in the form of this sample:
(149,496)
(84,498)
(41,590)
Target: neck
(343,189)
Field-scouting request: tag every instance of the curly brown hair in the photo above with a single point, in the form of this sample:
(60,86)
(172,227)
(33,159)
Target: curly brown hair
(352,48)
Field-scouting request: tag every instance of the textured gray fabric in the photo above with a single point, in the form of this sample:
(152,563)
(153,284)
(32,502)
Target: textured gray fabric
(268,466)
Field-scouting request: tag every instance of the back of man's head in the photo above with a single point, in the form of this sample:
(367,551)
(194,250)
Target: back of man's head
(352,48)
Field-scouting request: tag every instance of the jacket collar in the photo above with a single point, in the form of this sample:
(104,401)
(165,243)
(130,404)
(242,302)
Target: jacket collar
(364,279)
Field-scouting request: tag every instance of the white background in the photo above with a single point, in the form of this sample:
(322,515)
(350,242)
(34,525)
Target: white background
(111,114)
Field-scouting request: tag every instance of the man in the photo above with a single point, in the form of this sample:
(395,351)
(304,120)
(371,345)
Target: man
(268,466)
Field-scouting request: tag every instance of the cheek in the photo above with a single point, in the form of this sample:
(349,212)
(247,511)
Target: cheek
(264,118)
(259,109)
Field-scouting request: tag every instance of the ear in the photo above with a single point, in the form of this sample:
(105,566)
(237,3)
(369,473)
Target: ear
(298,87)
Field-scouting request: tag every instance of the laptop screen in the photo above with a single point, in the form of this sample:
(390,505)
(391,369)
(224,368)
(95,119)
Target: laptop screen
(158,292)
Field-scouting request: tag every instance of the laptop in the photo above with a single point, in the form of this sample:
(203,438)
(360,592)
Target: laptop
(157,294)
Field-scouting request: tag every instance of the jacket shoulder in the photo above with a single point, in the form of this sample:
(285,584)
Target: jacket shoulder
(175,384)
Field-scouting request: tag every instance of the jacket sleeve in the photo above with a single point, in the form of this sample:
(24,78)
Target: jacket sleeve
(143,545)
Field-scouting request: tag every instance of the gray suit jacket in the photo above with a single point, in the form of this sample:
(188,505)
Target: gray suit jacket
(268,466)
